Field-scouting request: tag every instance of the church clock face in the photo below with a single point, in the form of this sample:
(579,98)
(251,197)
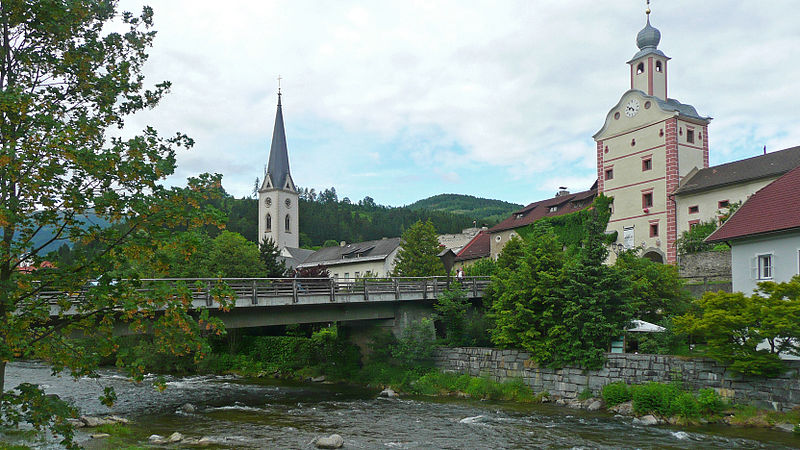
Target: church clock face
(288,203)
(632,107)
(268,201)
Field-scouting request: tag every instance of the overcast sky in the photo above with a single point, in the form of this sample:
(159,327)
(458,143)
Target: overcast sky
(499,99)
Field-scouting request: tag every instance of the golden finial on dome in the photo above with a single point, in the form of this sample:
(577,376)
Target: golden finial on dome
(647,11)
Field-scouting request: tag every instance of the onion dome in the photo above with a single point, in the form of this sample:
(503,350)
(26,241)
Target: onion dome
(649,37)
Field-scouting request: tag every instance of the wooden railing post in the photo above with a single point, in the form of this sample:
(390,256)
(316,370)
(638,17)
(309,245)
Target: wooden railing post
(294,290)
(474,287)
(209,300)
(424,288)
(333,289)
(366,291)
(396,289)
(255,293)
(435,287)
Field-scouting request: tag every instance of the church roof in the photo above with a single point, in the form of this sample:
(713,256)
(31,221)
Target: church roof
(762,166)
(683,109)
(278,167)
(772,209)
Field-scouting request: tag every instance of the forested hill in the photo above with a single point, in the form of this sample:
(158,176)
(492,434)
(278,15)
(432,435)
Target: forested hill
(484,210)
(324,217)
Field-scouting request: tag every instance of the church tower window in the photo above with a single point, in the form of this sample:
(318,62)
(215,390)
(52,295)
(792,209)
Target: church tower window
(658,66)
(288,223)
(640,68)
(269,222)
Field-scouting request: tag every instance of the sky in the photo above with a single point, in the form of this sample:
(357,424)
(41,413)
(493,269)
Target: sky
(401,100)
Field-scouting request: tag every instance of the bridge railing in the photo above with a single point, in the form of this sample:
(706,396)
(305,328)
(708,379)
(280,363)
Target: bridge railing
(332,289)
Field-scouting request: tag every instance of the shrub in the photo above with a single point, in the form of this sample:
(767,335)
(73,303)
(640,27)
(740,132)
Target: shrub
(655,398)
(415,348)
(616,393)
(585,394)
(710,402)
(685,405)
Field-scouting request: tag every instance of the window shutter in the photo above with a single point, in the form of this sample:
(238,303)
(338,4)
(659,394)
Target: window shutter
(754,268)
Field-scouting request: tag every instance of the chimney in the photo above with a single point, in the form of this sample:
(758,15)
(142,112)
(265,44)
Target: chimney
(562,190)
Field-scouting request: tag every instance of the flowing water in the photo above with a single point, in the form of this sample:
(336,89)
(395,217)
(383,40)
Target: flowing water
(247,413)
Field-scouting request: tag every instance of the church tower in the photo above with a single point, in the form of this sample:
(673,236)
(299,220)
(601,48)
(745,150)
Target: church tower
(647,144)
(278,198)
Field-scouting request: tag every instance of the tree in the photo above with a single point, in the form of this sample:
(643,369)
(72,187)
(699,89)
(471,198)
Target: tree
(451,309)
(418,252)
(233,256)
(658,290)
(270,256)
(67,81)
(734,326)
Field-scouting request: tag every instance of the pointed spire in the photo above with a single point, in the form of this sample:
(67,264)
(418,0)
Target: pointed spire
(278,167)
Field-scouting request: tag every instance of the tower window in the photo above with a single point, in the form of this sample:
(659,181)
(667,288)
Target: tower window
(288,223)
(654,229)
(640,68)
(723,204)
(609,174)
(658,66)
(694,209)
(616,115)
(269,222)
(690,136)
(647,200)
(647,164)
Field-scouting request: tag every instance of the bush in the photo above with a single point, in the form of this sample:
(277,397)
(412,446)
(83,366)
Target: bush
(685,405)
(415,348)
(710,402)
(655,398)
(616,393)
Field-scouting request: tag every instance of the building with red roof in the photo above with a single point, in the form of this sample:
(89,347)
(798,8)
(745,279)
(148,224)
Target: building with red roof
(475,250)
(764,234)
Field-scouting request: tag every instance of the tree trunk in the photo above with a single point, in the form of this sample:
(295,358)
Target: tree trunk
(2,377)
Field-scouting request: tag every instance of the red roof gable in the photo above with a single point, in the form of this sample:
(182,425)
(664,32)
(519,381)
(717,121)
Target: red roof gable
(775,207)
(565,204)
(478,247)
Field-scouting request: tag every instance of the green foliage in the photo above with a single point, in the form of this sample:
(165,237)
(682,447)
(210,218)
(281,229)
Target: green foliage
(616,393)
(693,240)
(274,266)
(416,345)
(657,289)
(483,210)
(655,398)
(72,74)
(563,307)
(571,229)
(733,325)
(709,401)
(451,309)
(27,403)
(668,342)
(417,256)
(233,256)
(585,394)
(485,267)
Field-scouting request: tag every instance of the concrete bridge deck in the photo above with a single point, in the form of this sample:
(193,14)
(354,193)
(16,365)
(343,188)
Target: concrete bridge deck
(283,301)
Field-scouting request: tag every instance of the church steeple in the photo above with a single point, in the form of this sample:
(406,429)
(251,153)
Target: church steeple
(278,175)
(649,64)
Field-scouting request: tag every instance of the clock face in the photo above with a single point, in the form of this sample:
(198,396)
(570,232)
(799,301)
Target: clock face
(632,107)
(288,203)
(268,201)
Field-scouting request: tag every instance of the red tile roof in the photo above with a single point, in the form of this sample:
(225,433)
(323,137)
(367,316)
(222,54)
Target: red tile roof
(565,204)
(775,207)
(478,247)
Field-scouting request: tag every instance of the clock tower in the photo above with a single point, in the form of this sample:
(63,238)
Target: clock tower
(278,197)
(647,144)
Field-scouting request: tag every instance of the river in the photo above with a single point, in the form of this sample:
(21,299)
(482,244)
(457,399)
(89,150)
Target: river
(254,413)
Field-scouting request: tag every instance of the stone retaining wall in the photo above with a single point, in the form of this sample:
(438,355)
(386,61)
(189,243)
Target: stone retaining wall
(705,266)
(781,393)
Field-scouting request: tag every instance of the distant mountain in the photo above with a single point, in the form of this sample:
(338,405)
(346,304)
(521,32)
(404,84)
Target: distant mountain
(483,210)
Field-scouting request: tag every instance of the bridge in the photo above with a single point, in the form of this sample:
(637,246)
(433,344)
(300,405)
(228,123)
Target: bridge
(260,302)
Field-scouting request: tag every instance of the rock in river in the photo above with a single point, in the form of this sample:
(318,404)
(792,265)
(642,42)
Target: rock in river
(390,393)
(648,420)
(332,441)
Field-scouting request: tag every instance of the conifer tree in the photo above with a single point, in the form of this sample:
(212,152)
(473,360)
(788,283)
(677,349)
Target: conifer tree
(270,256)
(418,254)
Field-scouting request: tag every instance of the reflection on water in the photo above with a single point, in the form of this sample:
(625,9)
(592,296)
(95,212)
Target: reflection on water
(243,413)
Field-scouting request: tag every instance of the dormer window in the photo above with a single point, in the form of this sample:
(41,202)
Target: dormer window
(553,208)
(520,215)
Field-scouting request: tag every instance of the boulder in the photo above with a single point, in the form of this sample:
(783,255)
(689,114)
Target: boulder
(91,421)
(204,441)
(156,439)
(785,427)
(318,379)
(187,408)
(117,419)
(76,423)
(648,420)
(389,393)
(99,435)
(595,406)
(625,409)
(332,441)
(175,437)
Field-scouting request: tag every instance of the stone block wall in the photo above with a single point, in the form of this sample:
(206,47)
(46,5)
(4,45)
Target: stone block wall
(782,393)
(705,266)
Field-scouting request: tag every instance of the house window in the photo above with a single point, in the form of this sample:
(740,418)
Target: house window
(647,164)
(764,267)
(647,200)
(269,222)
(498,238)
(723,204)
(288,223)
(357,274)
(693,223)
(346,275)
(690,136)
(654,230)
(609,174)
(694,209)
